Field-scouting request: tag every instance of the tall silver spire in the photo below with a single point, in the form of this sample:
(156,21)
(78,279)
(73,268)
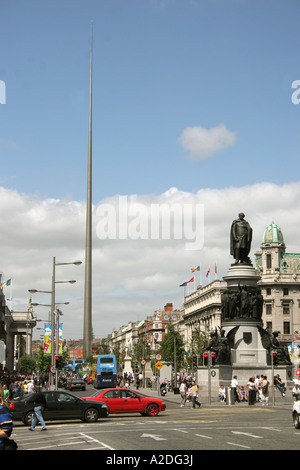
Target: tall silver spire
(87,325)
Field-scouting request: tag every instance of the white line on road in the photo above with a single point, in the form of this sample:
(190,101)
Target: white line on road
(247,434)
(238,445)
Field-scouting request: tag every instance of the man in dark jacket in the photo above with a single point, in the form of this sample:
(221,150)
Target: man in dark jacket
(39,401)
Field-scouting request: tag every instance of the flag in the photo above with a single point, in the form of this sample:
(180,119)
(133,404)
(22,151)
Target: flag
(186,282)
(6,283)
(195,269)
(207,274)
(215,269)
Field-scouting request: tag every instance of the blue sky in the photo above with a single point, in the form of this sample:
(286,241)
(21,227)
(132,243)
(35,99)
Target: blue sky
(159,67)
(191,103)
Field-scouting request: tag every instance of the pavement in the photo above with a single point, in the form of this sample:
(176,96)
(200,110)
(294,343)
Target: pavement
(278,401)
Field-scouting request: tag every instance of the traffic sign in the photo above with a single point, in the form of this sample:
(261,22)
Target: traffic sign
(158,357)
(143,362)
(158,365)
(52,369)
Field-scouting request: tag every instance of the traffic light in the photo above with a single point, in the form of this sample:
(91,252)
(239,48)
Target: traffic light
(213,358)
(275,358)
(195,361)
(57,362)
(205,358)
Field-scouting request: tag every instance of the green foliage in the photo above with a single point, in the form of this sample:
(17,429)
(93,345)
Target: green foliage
(141,350)
(43,361)
(103,347)
(172,341)
(27,363)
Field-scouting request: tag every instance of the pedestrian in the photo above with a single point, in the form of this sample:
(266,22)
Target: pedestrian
(296,389)
(222,393)
(257,381)
(24,388)
(251,390)
(243,394)
(39,401)
(235,387)
(5,392)
(30,387)
(195,395)
(183,390)
(265,391)
(189,393)
(279,384)
(6,422)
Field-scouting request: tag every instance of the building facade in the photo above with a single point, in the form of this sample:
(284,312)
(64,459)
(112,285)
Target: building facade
(280,286)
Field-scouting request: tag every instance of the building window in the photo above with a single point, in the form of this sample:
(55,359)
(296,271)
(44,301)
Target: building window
(286,309)
(268,309)
(269,261)
(269,326)
(285,291)
(269,291)
(286,327)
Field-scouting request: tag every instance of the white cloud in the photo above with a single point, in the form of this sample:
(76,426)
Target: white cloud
(202,143)
(131,278)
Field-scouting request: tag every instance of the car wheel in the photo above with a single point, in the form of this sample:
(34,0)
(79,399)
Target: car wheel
(28,418)
(91,415)
(297,420)
(152,410)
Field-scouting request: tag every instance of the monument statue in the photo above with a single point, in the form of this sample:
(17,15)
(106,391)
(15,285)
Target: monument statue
(221,344)
(271,343)
(240,240)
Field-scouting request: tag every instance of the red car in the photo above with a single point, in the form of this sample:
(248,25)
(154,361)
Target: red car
(121,400)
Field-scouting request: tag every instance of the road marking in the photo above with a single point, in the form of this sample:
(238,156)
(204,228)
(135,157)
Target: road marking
(238,445)
(91,439)
(271,429)
(154,436)
(247,434)
(180,430)
(205,437)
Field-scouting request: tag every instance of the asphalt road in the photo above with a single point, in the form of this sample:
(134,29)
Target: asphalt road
(179,430)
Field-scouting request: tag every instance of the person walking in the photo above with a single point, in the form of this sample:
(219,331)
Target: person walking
(39,401)
(265,385)
(235,387)
(195,395)
(6,422)
(251,390)
(183,390)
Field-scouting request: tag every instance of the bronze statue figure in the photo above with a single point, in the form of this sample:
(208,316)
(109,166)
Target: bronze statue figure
(240,240)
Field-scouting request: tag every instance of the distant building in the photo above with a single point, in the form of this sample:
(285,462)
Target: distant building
(202,309)
(280,286)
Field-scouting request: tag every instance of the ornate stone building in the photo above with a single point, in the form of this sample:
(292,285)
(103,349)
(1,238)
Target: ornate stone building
(280,286)
(202,309)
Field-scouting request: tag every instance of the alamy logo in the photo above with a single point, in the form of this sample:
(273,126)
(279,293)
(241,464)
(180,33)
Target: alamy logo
(136,221)
(2,92)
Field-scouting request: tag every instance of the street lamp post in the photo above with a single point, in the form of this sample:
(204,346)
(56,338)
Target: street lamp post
(52,313)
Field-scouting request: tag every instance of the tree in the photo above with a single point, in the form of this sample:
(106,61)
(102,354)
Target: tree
(103,347)
(172,341)
(141,350)
(27,363)
(198,345)
(43,361)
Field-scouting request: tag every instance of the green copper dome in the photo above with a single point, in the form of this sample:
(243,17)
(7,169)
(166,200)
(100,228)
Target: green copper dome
(273,234)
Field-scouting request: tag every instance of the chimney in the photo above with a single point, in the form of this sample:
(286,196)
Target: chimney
(169,308)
